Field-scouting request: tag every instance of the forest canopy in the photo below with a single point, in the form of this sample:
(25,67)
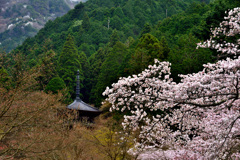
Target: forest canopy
(120,38)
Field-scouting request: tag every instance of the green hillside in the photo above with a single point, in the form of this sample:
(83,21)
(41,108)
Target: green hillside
(109,39)
(128,17)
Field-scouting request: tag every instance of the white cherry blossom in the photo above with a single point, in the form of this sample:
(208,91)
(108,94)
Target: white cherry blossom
(198,118)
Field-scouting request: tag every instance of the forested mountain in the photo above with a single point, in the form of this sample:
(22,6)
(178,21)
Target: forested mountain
(109,39)
(20,19)
(148,111)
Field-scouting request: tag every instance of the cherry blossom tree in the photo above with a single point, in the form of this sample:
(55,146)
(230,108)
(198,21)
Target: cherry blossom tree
(197,118)
(225,38)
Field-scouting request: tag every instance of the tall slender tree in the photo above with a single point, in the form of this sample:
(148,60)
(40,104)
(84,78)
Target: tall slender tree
(69,63)
(86,22)
(146,50)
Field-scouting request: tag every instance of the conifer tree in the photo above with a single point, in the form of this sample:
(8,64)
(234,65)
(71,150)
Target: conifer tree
(56,84)
(147,29)
(114,38)
(164,49)
(85,77)
(86,22)
(4,78)
(147,49)
(48,69)
(68,63)
(152,45)
(111,65)
(96,61)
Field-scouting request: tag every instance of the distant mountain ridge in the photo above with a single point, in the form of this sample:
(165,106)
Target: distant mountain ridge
(20,19)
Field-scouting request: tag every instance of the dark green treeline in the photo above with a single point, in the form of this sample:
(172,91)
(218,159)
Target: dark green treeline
(107,39)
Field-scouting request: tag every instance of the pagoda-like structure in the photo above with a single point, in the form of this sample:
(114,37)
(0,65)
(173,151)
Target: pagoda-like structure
(84,109)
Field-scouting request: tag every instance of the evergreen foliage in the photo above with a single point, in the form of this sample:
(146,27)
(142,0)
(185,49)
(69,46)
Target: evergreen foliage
(167,30)
(86,22)
(48,69)
(4,78)
(55,84)
(146,51)
(110,68)
(68,63)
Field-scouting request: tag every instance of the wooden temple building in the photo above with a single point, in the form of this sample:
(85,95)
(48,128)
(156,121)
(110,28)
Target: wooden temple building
(83,109)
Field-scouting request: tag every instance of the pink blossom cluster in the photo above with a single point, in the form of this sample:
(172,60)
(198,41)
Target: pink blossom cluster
(228,28)
(198,118)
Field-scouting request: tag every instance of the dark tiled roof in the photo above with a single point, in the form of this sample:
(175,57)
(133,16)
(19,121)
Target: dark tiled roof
(78,104)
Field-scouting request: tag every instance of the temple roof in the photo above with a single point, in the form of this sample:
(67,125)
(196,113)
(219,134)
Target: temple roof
(78,104)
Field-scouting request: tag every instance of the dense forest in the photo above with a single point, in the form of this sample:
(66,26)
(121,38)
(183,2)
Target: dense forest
(106,40)
(110,39)
(119,38)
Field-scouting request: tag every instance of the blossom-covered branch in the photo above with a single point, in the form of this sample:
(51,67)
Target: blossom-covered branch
(196,118)
(226,30)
